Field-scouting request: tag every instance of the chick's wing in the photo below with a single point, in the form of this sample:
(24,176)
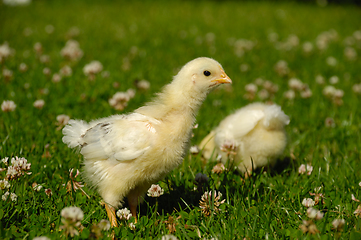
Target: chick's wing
(121,138)
(238,125)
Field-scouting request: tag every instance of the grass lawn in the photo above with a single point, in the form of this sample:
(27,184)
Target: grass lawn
(135,40)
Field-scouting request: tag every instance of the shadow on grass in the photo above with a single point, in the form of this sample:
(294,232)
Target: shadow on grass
(184,198)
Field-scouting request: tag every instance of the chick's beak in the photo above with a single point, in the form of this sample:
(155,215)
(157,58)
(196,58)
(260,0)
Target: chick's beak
(223,79)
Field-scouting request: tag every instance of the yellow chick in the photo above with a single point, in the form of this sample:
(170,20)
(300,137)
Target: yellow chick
(125,154)
(252,137)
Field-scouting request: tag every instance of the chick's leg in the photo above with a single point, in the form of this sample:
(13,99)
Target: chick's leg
(111,215)
(133,203)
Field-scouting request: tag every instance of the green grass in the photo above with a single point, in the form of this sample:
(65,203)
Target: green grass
(167,35)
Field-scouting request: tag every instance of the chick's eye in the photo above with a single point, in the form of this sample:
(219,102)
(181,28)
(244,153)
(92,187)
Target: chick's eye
(206,73)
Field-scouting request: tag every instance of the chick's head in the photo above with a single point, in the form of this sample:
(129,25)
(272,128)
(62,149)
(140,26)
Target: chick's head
(202,74)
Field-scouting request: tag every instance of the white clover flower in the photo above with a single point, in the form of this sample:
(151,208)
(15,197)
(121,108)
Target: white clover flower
(132,226)
(71,219)
(5,51)
(218,168)
(21,163)
(308,202)
(92,68)
(73,184)
(338,224)
(5,196)
(41,238)
(12,172)
(319,215)
(126,64)
(5,160)
(359,184)
(16,2)
(66,71)
(120,99)
(37,187)
(333,80)
(306,93)
(71,50)
(211,199)
(263,94)
(329,91)
(169,237)
(244,67)
(259,81)
(105,74)
(124,214)
(314,213)
(23,67)
(4,184)
(73,32)
(323,39)
(194,149)
(56,78)
(242,45)
(331,61)
(38,47)
(353,198)
(295,84)
(48,192)
(350,53)
(338,93)
(72,213)
(143,84)
(45,58)
(104,224)
(307,47)
(356,88)
(305,169)
(357,212)
(290,94)
(281,68)
(18,168)
(155,191)
(13,197)
(251,88)
(7,73)
(357,35)
(329,122)
(46,71)
(270,86)
(131,92)
(320,79)
(311,212)
(8,106)
(293,40)
(39,104)
(309,227)
(62,119)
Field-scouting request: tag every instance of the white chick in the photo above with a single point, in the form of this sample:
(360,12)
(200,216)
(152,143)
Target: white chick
(125,154)
(250,138)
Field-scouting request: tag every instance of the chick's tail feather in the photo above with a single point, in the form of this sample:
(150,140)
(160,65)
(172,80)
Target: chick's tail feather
(275,118)
(73,133)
